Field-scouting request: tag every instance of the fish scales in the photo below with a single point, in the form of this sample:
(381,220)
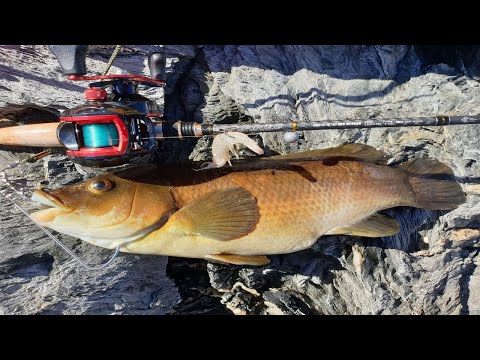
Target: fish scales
(295,210)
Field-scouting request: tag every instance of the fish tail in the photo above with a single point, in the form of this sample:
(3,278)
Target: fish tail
(434,186)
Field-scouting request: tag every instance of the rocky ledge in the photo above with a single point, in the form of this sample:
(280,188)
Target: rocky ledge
(431,267)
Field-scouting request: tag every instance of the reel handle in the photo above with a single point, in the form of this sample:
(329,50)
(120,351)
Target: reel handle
(71,58)
(157,63)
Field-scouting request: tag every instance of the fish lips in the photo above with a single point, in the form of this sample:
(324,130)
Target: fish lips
(55,207)
(48,199)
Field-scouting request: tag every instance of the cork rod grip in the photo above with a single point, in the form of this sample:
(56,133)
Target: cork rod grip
(41,135)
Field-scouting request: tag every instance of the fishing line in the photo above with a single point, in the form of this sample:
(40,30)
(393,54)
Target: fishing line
(190,136)
(183,136)
(161,138)
(67,250)
(47,232)
(176,137)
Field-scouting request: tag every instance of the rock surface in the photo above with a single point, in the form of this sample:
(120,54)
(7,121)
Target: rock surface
(431,267)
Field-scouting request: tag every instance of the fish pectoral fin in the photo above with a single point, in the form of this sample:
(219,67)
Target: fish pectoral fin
(223,214)
(257,260)
(375,225)
(359,152)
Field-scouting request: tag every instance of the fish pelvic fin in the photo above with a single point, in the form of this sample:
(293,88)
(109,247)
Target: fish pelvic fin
(257,260)
(223,214)
(375,225)
(433,185)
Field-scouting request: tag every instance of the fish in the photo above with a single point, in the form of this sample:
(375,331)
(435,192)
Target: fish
(241,214)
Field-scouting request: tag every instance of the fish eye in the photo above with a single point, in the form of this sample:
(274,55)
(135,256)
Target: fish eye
(99,186)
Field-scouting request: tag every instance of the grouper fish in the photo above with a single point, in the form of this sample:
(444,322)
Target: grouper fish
(240,214)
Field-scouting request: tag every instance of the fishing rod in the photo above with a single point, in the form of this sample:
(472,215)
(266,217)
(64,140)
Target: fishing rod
(103,139)
(213,129)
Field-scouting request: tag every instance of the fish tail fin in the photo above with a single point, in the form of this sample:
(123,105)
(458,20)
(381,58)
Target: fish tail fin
(433,185)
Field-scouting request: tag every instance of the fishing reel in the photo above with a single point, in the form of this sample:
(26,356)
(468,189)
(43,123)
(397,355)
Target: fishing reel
(116,124)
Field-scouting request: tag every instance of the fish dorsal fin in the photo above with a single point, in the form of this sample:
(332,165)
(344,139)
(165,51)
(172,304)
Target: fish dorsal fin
(359,152)
(375,225)
(223,214)
(257,260)
(426,166)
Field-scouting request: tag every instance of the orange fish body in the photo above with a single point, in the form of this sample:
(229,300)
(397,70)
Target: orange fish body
(274,206)
(294,210)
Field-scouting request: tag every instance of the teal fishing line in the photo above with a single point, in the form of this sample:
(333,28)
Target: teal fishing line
(100,135)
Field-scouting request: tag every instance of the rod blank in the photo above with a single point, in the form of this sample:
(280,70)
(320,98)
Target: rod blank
(341,124)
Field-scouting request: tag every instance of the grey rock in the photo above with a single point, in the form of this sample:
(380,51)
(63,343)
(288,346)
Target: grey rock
(430,267)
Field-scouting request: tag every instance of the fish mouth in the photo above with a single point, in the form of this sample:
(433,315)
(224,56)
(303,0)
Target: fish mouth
(54,207)
(45,198)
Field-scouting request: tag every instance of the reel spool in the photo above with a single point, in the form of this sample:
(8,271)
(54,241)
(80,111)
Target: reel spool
(100,135)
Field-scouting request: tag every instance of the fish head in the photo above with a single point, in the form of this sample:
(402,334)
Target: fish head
(106,211)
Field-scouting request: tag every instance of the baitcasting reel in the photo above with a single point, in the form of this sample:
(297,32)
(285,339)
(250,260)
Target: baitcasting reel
(116,123)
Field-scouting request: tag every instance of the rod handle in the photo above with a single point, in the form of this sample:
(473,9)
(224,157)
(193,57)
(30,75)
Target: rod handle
(41,135)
